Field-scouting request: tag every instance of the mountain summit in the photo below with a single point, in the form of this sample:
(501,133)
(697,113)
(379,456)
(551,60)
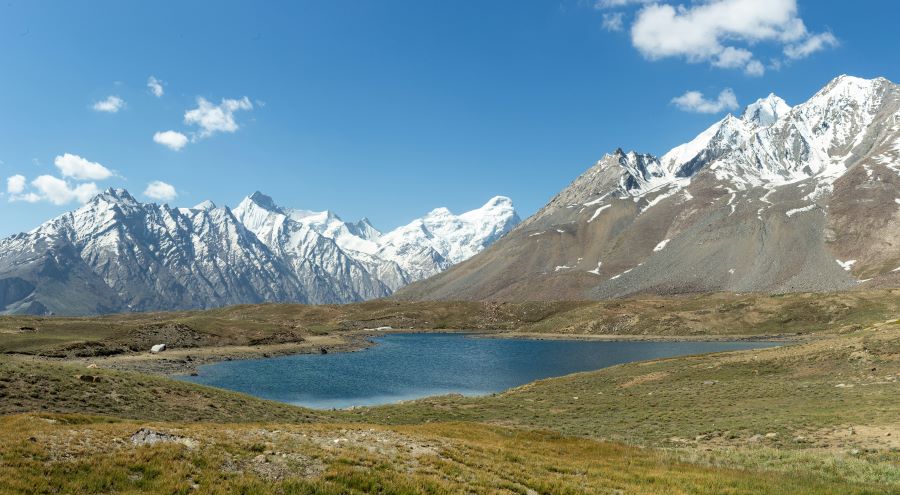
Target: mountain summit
(803,198)
(116,254)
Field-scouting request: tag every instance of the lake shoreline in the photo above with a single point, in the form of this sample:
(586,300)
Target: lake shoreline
(412,366)
(175,362)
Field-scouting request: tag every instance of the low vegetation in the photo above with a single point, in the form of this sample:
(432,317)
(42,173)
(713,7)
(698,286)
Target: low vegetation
(29,386)
(53,454)
(819,416)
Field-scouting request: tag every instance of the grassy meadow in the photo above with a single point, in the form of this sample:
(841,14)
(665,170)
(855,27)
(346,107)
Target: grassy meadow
(819,415)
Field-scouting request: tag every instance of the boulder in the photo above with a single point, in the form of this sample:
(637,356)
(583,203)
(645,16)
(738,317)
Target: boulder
(158,348)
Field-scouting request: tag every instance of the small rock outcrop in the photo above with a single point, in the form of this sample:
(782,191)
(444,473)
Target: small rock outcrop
(146,436)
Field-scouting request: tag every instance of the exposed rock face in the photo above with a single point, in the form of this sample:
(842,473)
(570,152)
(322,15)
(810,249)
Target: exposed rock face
(116,254)
(780,199)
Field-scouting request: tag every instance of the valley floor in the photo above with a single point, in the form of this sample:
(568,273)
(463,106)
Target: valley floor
(819,416)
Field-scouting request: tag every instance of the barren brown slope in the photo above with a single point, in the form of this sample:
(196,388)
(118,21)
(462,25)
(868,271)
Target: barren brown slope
(781,216)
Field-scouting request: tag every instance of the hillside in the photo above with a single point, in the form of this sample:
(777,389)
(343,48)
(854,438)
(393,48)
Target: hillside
(780,199)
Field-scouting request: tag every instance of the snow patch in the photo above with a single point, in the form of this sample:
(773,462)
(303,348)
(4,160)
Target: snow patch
(597,212)
(846,265)
(661,245)
(795,211)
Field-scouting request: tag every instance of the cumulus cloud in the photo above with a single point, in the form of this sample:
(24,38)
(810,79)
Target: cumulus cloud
(58,191)
(212,119)
(111,104)
(755,68)
(171,139)
(695,101)
(159,190)
(708,31)
(15,184)
(155,86)
(810,45)
(79,168)
(613,21)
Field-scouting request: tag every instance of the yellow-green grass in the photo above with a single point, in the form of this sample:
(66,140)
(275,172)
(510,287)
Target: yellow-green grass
(78,455)
(33,386)
(713,410)
(818,417)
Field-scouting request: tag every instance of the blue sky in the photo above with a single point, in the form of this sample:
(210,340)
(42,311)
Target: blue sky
(389,108)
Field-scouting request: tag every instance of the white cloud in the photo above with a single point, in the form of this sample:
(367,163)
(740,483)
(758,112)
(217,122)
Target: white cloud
(609,4)
(81,169)
(732,57)
(28,197)
(172,139)
(15,184)
(111,104)
(216,118)
(613,21)
(160,190)
(708,31)
(695,101)
(810,45)
(58,191)
(754,68)
(736,58)
(156,86)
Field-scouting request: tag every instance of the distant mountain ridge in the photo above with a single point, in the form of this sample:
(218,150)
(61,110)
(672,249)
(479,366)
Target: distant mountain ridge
(780,199)
(116,254)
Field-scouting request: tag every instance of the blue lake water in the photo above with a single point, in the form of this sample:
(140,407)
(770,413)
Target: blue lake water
(410,366)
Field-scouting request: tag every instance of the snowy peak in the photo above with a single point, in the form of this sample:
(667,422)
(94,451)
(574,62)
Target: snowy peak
(770,144)
(263,201)
(496,207)
(765,111)
(773,143)
(364,229)
(440,239)
(204,206)
(847,87)
(419,249)
(115,196)
(146,256)
(633,172)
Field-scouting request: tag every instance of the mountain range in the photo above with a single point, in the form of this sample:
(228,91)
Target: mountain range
(778,199)
(116,254)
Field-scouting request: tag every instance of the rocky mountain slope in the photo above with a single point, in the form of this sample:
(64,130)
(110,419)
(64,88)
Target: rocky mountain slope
(117,254)
(779,199)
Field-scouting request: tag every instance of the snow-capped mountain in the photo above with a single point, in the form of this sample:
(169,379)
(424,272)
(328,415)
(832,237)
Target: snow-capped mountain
(117,254)
(777,199)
